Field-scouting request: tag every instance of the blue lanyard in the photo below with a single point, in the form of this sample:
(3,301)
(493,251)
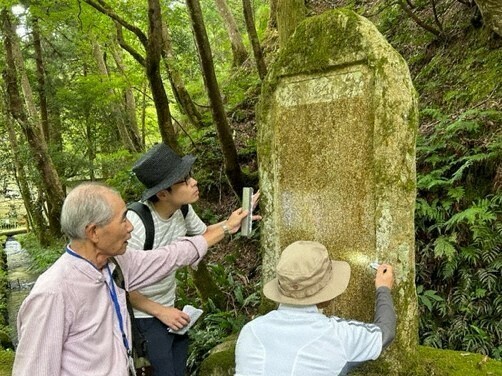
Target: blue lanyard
(113,295)
(116,304)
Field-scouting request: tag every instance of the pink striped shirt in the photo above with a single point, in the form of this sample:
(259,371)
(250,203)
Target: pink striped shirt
(68,325)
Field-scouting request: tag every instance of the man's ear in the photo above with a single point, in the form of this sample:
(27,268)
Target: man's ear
(91,233)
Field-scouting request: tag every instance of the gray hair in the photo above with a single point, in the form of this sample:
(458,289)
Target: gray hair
(86,204)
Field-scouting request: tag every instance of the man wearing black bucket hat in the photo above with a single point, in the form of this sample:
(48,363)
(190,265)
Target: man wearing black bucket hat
(297,339)
(170,191)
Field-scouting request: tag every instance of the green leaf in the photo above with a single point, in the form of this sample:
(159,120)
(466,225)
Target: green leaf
(444,248)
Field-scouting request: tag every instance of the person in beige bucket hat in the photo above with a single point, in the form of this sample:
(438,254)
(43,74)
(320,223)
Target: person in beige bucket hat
(297,339)
(304,279)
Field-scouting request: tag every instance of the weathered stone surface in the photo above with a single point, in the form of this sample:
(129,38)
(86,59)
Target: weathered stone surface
(337,125)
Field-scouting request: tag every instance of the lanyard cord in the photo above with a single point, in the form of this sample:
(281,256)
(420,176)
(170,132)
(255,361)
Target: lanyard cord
(116,304)
(113,295)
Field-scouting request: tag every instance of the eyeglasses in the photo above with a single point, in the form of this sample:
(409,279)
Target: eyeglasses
(185,179)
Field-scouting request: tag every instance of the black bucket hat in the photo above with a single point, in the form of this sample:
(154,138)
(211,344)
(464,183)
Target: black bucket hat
(160,167)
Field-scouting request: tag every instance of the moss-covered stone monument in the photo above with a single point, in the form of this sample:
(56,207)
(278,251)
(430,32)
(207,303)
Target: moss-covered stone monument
(337,127)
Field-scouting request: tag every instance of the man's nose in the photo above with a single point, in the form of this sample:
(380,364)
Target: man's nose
(130,227)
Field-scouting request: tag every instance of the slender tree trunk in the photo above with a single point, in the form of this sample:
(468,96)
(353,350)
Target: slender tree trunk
(115,109)
(130,102)
(239,52)
(253,38)
(28,120)
(35,216)
(153,47)
(288,15)
(187,106)
(41,80)
(153,54)
(272,21)
(232,168)
(143,114)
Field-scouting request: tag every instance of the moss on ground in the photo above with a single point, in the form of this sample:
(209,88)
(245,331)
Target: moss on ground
(427,362)
(6,362)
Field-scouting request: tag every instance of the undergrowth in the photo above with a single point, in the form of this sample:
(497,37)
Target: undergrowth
(242,290)
(459,231)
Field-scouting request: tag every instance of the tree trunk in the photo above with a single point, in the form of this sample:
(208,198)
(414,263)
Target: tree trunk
(44,117)
(206,286)
(289,14)
(153,54)
(27,117)
(272,21)
(130,103)
(114,106)
(232,168)
(153,48)
(183,98)
(253,38)
(143,113)
(34,215)
(239,52)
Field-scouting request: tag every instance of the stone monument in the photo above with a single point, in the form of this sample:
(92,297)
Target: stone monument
(337,125)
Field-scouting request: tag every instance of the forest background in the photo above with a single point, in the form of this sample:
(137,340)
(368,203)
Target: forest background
(88,85)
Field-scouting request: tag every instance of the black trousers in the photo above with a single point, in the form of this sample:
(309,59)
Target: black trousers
(167,352)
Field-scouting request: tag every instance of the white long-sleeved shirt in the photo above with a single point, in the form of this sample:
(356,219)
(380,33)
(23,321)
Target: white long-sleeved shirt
(67,326)
(299,340)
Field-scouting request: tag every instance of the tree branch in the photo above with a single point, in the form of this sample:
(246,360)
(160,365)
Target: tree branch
(436,18)
(419,22)
(120,38)
(104,8)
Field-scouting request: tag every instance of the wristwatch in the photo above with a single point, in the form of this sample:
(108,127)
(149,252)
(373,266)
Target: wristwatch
(226,230)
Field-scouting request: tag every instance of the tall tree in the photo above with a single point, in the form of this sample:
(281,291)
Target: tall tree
(272,20)
(253,38)
(35,217)
(151,61)
(232,168)
(288,15)
(23,110)
(115,108)
(131,122)
(44,117)
(239,52)
(181,94)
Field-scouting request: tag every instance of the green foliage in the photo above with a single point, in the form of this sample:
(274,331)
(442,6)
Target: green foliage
(42,257)
(459,232)
(118,166)
(208,168)
(6,362)
(215,325)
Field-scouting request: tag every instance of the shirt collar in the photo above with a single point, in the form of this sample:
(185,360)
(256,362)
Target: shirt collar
(86,268)
(298,308)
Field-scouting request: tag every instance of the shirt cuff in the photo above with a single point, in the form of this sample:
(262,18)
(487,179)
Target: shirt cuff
(201,247)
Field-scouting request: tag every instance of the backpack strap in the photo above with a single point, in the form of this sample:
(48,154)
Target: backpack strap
(146,217)
(184,210)
(138,340)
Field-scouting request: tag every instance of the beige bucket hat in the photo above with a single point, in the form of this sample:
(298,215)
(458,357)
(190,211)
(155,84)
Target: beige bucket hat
(305,275)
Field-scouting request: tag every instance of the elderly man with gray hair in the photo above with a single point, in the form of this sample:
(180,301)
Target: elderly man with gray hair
(75,321)
(299,340)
